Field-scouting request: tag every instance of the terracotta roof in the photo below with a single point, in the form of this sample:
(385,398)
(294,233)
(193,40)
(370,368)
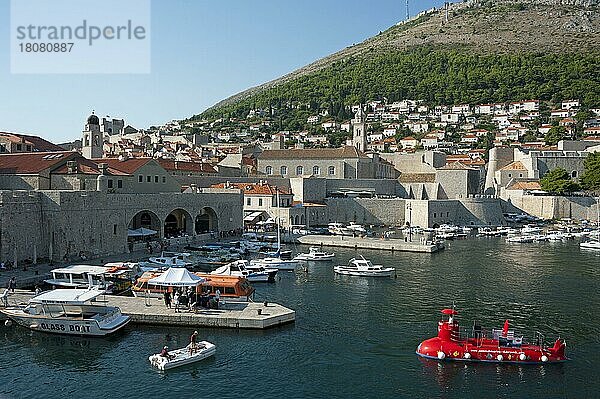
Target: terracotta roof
(33,162)
(128,166)
(186,166)
(525,185)
(39,143)
(88,167)
(518,165)
(313,153)
(253,188)
(458,165)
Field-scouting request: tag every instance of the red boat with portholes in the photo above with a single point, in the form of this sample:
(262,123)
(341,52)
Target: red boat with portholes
(478,345)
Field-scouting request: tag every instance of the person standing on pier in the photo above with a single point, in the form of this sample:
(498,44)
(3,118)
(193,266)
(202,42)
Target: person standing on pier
(12,284)
(168,299)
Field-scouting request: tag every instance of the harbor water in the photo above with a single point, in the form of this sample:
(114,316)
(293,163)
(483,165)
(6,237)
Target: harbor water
(353,337)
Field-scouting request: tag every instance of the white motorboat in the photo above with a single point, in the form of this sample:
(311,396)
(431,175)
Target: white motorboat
(79,276)
(170,259)
(364,267)
(357,228)
(68,311)
(314,254)
(595,245)
(274,263)
(183,356)
(531,229)
(240,268)
(520,239)
(338,229)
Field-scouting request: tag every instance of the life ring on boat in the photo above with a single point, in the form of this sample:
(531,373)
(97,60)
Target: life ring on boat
(500,358)
(544,358)
(523,356)
(441,355)
(455,354)
(467,355)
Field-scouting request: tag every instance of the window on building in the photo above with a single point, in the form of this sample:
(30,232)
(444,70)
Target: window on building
(331,170)
(149,179)
(114,229)
(119,183)
(510,175)
(316,170)
(19,147)
(28,148)
(110,183)
(283,170)
(299,170)
(520,174)
(164,179)
(574,173)
(447,214)
(2,147)
(248,201)
(434,215)
(260,202)
(269,170)
(155,179)
(140,179)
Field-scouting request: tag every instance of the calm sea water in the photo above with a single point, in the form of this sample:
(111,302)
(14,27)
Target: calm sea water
(353,337)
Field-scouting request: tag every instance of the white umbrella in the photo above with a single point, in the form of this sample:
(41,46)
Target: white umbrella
(177,277)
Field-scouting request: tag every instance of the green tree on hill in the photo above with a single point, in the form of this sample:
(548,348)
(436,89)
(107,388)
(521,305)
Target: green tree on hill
(591,176)
(555,134)
(558,181)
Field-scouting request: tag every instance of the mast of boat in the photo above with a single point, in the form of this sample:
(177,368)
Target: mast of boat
(277,222)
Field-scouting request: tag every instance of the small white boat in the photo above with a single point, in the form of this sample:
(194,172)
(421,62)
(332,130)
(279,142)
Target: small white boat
(338,229)
(68,311)
(79,276)
(314,254)
(520,239)
(275,263)
(183,356)
(364,267)
(240,268)
(170,259)
(531,229)
(595,245)
(357,228)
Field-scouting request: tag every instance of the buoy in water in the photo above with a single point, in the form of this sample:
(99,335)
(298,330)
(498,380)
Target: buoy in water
(441,355)
(8,323)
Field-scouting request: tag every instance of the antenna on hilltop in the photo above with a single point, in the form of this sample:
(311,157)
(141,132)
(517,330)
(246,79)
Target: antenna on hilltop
(407,11)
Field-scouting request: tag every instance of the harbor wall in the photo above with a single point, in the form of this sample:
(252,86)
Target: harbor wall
(377,211)
(54,225)
(556,207)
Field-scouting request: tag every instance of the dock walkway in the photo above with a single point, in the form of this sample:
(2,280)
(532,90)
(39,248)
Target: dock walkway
(389,244)
(231,314)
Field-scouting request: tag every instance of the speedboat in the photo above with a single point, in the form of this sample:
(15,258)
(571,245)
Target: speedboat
(275,263)
(68,311)
(170,259)
(590,245)
(315,254)
(498,345)
(338,229)
(364,267)
(520,239)
(531,229)
(239,268)
(183,356)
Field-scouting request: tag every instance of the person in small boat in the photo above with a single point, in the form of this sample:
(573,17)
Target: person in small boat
(165,353)
(193,342)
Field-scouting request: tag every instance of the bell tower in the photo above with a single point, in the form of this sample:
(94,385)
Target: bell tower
(359,130)
(91,145)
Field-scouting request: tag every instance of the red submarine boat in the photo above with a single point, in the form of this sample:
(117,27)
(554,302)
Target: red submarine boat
(499,346)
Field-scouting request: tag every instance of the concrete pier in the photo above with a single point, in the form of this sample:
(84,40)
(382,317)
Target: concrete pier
(231,314)
(370,243)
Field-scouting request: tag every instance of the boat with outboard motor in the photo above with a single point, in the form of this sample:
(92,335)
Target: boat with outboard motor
(363,267)
(182,356)
(315,254)
(477,345)
(68,311)
(240,268)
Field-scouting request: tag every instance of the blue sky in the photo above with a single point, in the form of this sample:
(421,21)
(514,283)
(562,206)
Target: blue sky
(202,52)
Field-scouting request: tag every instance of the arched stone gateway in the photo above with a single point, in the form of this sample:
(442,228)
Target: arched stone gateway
(206,221)
(178,223)
(146,219)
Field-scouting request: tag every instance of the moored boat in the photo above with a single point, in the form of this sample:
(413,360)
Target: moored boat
(590,245)
(314,254)
(183,356)
(499,345)
(240,268)
(363,267)
(68,311)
